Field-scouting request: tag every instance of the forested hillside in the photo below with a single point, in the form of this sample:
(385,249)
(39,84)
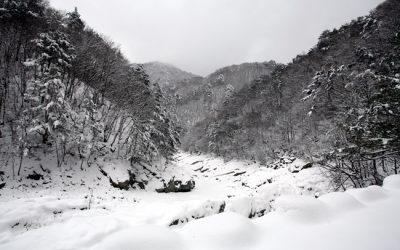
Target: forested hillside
(167,76)
(69,92)
(339,102)
(193,99)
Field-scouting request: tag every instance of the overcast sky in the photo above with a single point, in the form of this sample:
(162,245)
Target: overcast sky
(201,36)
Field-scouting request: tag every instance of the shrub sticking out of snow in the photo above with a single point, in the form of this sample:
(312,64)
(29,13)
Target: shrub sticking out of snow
(204,209)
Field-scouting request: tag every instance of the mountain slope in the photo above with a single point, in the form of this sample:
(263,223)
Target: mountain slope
(199,98)
(350,99)
(166,75)
(193,98)
(68,93)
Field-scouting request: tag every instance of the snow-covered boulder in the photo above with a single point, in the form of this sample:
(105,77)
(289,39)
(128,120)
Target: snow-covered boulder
(176,186)
(250,207)
(35,176)
(198,211)
(298,165)
(392,182)
(303,209)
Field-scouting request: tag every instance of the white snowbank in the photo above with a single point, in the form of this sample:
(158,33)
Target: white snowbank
(57,215)
(392,182)
(361,219)
(223,231)
(142,238)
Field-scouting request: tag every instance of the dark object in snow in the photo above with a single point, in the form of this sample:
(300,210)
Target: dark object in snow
(35,176)
(194,163)
(239,173)
(204,170)
(308,165)
(124,185)
(298,168)
(244,184)
(103,172)
(265,182)
(2,185)
(256,214)
(120,185)
(207,209)
(148,170)
(231,172)
(174,186)
(199,169)
(46,170)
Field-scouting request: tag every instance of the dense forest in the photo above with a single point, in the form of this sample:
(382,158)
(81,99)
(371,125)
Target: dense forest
(68,91)
(193,98)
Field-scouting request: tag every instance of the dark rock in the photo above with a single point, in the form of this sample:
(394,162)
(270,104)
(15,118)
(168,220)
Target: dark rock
(298,168)
(35,176)
(124,185)
(141,185)
(176,186)
(2,185)
(222,207)
(244,184)
(308,165)
(120,185)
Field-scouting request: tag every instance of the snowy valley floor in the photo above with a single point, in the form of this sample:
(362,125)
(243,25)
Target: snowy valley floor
(66,214)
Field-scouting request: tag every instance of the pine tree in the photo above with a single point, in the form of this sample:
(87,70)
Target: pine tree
(74,21)
(229,91)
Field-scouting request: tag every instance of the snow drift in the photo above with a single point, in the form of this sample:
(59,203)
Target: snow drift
(356,219)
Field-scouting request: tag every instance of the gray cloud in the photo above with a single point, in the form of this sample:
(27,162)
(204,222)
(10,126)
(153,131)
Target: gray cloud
(203,35)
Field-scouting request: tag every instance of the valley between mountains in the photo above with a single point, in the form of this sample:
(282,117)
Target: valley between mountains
(98,152)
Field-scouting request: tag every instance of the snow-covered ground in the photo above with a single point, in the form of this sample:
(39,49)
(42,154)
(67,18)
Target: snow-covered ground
(80,210)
